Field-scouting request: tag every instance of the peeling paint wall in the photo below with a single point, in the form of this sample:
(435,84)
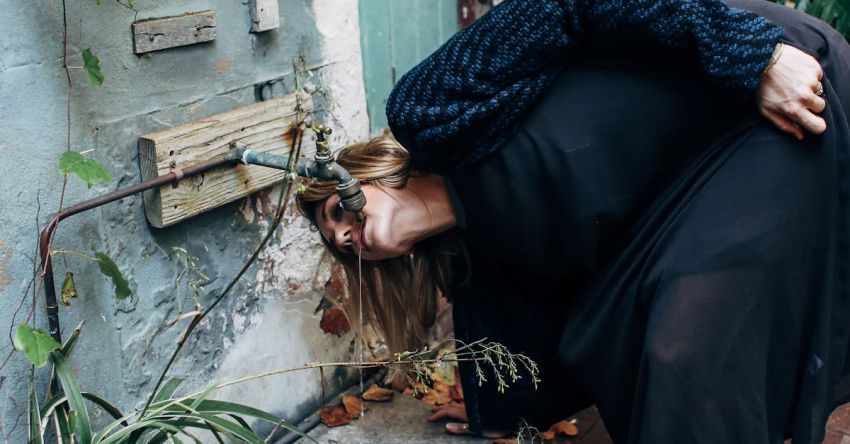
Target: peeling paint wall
(270,320)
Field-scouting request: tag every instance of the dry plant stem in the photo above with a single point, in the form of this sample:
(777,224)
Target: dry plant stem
(283,201)
(397,364)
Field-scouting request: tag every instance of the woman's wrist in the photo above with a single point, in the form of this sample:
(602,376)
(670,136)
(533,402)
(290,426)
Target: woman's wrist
(777,52)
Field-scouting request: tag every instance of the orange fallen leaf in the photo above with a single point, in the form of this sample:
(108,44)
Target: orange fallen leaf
(334,416)
(439,394)
(560,428)
(415,390)
(410,392)
(505,441)
(335,322)
(375,393)
(352,405)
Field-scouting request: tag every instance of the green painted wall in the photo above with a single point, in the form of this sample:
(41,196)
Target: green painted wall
(395,35)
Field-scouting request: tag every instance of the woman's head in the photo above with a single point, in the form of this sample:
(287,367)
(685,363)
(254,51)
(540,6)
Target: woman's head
(403,271)
(383,168)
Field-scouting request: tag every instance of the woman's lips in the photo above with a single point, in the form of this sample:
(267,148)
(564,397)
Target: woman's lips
(359,238)
(363,241)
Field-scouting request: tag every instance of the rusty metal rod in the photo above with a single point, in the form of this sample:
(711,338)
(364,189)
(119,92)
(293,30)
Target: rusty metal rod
(46,236)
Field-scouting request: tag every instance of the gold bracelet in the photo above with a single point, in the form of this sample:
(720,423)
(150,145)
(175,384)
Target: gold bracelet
(774,57)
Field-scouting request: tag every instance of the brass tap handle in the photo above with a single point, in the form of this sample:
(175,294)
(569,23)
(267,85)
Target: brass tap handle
(320,130)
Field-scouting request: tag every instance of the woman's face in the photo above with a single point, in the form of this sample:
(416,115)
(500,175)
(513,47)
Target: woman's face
(378,237)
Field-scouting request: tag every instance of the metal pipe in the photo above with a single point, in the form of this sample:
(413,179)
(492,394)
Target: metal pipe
(348,187)
(46,236)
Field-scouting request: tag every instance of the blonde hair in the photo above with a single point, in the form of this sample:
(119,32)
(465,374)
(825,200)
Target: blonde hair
(399,295)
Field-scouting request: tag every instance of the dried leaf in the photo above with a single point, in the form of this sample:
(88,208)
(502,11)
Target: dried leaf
(335,322)
(564,427)
(334,416)
(69,289)
(438,394)
(375,393)
(505,441)
(352,405)
(408,391)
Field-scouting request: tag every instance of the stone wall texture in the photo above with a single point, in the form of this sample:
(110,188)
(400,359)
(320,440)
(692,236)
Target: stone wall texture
(271,319)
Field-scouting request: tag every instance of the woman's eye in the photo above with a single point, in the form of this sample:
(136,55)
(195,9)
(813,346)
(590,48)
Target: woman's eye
(336,214)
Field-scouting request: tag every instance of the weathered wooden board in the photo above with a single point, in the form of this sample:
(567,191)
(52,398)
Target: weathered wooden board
(168,32)
(264,126)
(264,15)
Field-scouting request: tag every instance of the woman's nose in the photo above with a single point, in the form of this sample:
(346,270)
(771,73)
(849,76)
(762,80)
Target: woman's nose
(344,236)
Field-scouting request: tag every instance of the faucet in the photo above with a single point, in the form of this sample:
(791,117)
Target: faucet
(322,167)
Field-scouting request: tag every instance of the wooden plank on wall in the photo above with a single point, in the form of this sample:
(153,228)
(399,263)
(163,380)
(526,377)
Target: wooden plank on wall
(168,32)
(264,15)
(264,126)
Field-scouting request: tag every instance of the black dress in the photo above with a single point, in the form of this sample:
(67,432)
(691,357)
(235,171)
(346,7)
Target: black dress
(665,253)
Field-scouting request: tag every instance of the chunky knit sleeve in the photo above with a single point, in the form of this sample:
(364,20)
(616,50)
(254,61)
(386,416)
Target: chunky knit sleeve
(465,100)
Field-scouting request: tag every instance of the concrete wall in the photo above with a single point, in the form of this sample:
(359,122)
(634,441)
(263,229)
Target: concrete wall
(269,321)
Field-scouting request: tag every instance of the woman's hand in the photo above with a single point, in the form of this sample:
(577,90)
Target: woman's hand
(787,96)
(457,411)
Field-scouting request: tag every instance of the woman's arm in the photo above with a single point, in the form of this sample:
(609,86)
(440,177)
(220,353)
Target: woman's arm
(734,46)
(464,101)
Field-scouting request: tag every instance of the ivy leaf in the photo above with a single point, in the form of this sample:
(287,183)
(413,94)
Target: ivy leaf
(89,171)
(92,66)
(69,289)
(36,344)
(109,269)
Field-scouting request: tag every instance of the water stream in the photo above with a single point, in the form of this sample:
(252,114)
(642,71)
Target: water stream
(361,340)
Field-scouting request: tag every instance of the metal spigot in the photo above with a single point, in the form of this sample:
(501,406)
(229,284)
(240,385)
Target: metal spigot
(322,167)
(348,188)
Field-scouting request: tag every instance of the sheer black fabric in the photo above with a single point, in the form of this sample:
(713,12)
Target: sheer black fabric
(664,252)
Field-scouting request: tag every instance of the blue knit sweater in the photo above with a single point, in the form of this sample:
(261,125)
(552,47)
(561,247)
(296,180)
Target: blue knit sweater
(464,101)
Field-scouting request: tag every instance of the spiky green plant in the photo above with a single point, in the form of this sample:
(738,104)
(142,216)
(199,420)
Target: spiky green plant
(834,12)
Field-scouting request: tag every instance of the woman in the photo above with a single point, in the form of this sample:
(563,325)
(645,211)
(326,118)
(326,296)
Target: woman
(628,218)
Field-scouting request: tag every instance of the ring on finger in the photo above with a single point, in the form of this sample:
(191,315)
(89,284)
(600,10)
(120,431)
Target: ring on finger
(819,91)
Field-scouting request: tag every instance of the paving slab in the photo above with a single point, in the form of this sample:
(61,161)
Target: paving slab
(400,421)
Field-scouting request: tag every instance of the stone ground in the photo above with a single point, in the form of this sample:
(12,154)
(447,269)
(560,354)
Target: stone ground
(402,421)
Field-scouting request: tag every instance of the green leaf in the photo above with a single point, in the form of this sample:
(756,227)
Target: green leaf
(63,429)
(92,66)
(231,428)
(35,343)
(108,268)
(89,171)
(75,398)
(53,403)
(130,3)
(168,389)
(69,344)
(35,418)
